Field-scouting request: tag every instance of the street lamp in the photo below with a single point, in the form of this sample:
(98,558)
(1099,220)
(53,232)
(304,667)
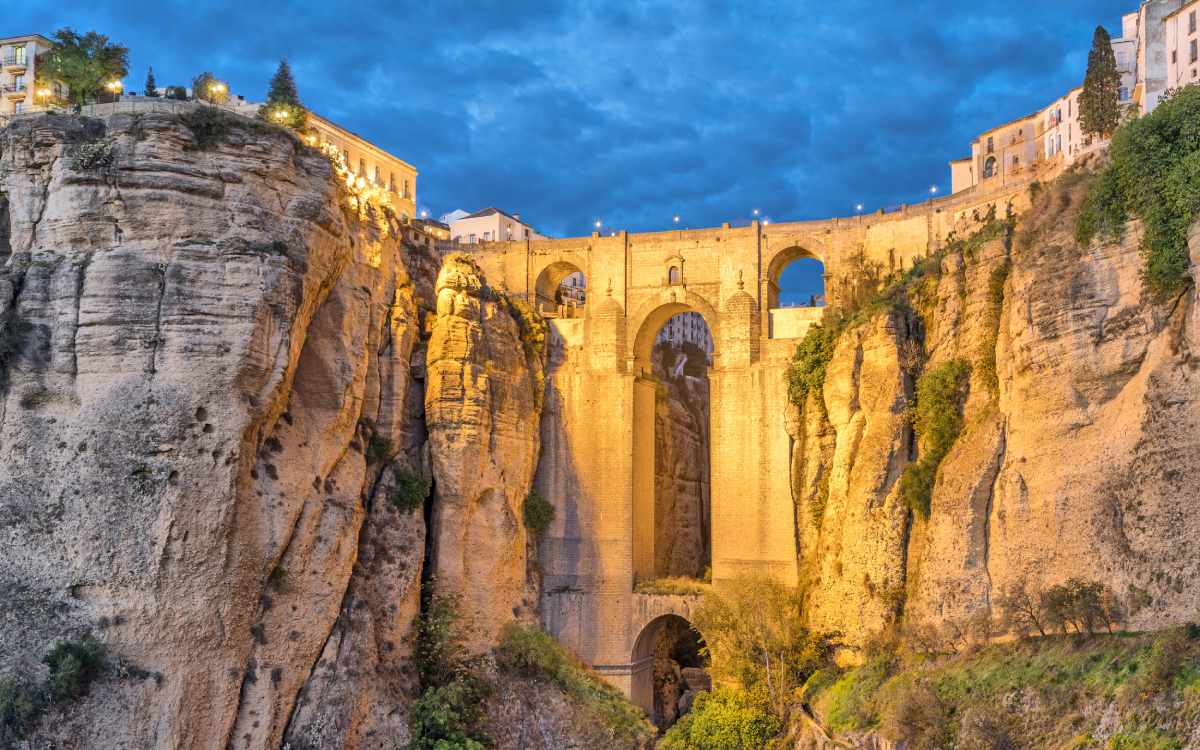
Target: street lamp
(424,214)
(859,208)
(598,224)
(933,189)
(755,212)
(675,219)
(114,87)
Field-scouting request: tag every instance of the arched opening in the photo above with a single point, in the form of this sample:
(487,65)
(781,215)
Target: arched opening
(989,167)
(673,448)
(795,293)
(561,291)
(670,669)
(674,276)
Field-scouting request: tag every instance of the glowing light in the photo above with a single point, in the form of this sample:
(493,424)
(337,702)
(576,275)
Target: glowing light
(360,183)
(280,114)
(424,214)
(676,219)
(859,208)
(114,86)
(933,190)
(766,222)
(598,223)
(217,87)
(43,92)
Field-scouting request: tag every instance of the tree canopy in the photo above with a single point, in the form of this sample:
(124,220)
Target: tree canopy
(86,63)
(283,104)
(1099,103)
(207,87)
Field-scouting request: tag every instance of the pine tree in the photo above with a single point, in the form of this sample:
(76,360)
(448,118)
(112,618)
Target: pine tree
(283,101)
(151,87)
(1099,103)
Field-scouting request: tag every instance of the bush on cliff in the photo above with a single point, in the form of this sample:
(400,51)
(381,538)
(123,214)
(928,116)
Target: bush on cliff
(806,375)
(754,632)
(532,654)
(449,713)
(411,490)
(1154,175)
(538,512)
(938,421)
(725,719)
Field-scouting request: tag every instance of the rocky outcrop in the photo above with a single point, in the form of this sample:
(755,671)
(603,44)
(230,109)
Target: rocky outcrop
(214,379)
(483,406)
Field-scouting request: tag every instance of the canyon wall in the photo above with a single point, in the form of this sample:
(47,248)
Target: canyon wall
(215,407)
(1075,462)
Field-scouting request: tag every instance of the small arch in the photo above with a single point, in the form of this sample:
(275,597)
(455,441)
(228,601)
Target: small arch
(674,276)
(561,290)
(795,293)
(989,167)
(669,668)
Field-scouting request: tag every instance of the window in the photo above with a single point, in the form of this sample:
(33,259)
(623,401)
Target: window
(18,108)
(1192,22)
(1174,56)
(18,55)
(1058,148)
(1016,161)
(346,157)
(508,230)
(1193,51)
(378,176)
(1124,94)
(991,146)
(673,276)
(391,182)
(406,193)
(362,167)
(19,83)
(471,238)
(989,167)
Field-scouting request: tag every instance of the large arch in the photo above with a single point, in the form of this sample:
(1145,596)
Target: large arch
(666,637)
(647,518)
(650,317)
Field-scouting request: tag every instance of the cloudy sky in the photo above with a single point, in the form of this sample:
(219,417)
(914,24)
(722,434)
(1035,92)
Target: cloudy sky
(632,112)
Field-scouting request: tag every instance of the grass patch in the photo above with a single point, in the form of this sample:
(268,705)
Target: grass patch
(938,422)
(73,667)
(1154,175)
(986,362)
(673,586)
(533,654)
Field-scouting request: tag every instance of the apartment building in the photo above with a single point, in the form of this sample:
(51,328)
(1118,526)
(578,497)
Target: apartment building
(1182,43)
(999,155)
(18,72)
(489,225)
(1061,136)
(370,163)
(687,328)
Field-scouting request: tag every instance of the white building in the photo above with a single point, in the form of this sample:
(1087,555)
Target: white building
(688,327)
(18,55)
(1183,46)
(1150,28)
(489,225)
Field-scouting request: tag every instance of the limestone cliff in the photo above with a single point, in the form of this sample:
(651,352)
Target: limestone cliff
(214,386)
(1075,459)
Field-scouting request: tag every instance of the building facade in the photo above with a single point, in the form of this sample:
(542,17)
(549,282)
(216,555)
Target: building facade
(999,156)
(687,328)
(370,163)
(18,56)
(489,225)
(1182,42)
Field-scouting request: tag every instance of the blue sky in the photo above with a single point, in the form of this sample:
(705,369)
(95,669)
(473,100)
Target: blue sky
(633,112)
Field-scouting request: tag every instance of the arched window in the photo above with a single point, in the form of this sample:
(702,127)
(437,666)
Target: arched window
(989,167)
(674,277)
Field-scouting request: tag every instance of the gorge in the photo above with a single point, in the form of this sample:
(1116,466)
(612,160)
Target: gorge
(250,416)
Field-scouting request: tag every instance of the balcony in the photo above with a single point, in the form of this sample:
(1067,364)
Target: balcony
(15,92)
(14,62)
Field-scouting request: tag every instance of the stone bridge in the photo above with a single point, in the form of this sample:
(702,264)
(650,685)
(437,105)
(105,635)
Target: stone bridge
(598,429)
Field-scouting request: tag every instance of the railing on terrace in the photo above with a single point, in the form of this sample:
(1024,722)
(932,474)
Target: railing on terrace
(14,60)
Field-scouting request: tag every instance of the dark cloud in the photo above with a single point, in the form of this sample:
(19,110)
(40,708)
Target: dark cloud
(634,111)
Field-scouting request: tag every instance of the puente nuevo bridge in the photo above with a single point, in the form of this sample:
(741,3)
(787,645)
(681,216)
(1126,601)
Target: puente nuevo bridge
(598,428)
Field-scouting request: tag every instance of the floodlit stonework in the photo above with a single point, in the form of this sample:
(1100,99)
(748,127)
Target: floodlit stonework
(602,481)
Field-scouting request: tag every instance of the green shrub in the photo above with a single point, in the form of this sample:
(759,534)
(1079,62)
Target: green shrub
(379,448)
(209,125)
(411,490)
(539,513)
(1154,174)
(533,654)
(724,719)
(940,394)
(848,703)
(806,375)
(73,667)
(449,713)
(278,579)
(18,711)
(674,586)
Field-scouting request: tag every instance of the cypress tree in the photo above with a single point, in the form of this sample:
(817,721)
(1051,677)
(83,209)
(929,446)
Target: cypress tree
(151,87)
(283,101)
(1099,102)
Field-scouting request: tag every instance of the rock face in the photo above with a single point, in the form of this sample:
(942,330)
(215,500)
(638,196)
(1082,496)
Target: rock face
(1076,464)
(683,509)
(483,410)
(214,377)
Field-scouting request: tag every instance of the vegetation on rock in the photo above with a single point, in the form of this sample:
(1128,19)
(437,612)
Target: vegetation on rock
(938,421)
(532,654)
(987,346)
(538,512)
(1153,175)
(410,491)
(725,719)
(73,667)
(206,87)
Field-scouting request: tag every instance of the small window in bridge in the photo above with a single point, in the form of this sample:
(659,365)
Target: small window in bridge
(674,277)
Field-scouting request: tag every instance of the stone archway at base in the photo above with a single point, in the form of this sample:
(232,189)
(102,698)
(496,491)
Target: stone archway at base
(669,669)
